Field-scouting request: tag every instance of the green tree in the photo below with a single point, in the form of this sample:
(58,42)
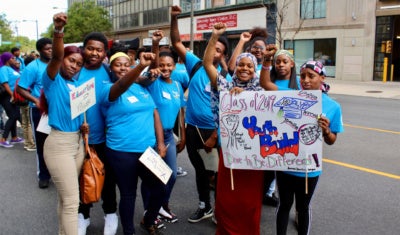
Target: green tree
(6,33)
(83,18)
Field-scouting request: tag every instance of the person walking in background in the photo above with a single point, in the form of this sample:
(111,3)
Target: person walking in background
(17,53)
(63,148)
(30,87)
(198,115)
(8,78)
(95,47)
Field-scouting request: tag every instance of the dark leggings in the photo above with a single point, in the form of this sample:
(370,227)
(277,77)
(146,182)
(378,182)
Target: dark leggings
(290,187)
(13,115)
(193,143)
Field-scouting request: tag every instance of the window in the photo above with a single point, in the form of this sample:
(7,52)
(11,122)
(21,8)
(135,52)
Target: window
(186,5)
(156,16)
(312,9)
(323,50)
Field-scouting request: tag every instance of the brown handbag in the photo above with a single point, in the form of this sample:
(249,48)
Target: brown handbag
(92,175)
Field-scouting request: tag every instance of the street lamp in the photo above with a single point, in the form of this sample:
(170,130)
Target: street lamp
(37,27)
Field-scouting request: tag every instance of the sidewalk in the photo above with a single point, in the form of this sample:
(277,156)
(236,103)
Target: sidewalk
(390,90)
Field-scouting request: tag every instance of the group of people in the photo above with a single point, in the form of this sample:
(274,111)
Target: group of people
(150,92)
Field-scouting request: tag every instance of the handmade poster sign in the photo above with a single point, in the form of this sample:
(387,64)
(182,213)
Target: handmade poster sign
(271,130)
(156,164)
(82,98)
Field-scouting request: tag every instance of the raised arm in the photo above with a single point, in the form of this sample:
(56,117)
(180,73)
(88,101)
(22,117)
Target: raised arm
(122,84)
(265,78)
(218,30)
(155,47)
(59,21)
(244,37)
(174,33)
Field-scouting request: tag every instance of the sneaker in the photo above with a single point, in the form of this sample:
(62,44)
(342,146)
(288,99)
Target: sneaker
(110,224)
(82,224)
(6,144)
(201,214)
(166,215)
(30,149)
(270,201)
(180,172)
(152,229)
(43,184)
(18,140)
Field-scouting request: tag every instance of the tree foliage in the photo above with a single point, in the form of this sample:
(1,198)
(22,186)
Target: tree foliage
(83,18)
(7,36)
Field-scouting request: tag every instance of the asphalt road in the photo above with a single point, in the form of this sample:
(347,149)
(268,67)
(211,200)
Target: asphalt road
(358,192)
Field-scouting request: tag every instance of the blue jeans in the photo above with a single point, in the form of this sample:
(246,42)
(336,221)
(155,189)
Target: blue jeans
(127,168)
(170,159)
(43,172)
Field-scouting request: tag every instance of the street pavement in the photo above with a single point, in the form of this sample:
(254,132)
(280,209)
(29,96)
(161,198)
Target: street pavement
(26,209)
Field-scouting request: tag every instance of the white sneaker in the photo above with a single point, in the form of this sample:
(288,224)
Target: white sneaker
(82,224)
(110,224)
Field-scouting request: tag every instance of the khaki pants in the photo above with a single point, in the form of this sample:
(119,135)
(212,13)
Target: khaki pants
(64,154)
(27,128)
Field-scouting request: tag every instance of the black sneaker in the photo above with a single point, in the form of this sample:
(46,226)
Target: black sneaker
(152,229)
(270,201)
(43,184)
(201,214)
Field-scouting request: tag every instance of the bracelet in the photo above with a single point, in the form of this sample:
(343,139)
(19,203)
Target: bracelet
(266,68)
(59,30)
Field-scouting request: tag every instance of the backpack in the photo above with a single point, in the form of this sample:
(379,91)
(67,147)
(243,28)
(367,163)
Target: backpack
(17,98)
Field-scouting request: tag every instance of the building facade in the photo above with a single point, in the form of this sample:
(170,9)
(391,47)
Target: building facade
(357,39)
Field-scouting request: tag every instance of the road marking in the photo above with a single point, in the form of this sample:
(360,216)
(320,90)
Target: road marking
(397,177)
(372,129)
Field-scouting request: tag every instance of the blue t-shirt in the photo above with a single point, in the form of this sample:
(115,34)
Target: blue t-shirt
(59,105)
(332,110)
(8,75)
(180,75)
(198,109)
(94,115)
(129,119)
(168,98)
(31,78)
(283,85)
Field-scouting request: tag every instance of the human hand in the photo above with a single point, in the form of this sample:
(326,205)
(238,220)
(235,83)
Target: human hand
(162,149)
(323,123)
(157,36)
(245,36)
(219,28)
(175,10)
(84,128)
(146,58)
(59,20)
(180,145)
(270,51)
(236,90)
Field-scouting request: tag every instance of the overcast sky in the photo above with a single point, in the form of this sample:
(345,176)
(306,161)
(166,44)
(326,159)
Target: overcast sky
(17,11)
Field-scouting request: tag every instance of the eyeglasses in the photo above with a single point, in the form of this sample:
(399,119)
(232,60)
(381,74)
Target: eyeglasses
(261,48)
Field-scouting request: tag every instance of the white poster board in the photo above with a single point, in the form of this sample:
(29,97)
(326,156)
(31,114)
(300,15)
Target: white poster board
(271,130)
(82,98)
(155,164)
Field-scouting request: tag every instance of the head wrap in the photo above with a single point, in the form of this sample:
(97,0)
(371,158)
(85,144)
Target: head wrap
(117,55)
(6,56)
(283,52)
(314,65)
(254,83)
